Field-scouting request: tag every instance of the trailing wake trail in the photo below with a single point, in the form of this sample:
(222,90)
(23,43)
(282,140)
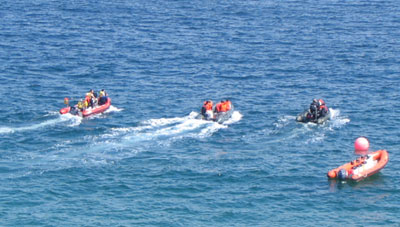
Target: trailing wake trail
(163,131)
(72,120)
(122,143)
(286,128)
(64,119)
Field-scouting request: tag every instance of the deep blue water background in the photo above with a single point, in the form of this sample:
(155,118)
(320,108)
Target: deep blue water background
(147,161)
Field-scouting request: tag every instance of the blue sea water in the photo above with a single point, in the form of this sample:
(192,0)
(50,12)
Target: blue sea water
(147,161)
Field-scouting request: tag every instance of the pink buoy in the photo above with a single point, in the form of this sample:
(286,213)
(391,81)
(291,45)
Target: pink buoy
(361,144)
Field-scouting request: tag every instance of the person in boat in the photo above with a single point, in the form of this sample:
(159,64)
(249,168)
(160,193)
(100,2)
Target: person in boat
(207,109)
(322,108)
(223,106)
(228,105)
(80,106)
(103,97)
(103,92)
(317,109)
(313,111)
(95,99)
(76,109)
(219,107)
(89,99)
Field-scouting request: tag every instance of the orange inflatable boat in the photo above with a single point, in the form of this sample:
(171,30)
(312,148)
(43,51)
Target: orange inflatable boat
(86,112)
(362,167)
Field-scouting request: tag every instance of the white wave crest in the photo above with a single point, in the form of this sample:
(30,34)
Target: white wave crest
(284,121)
(337,120)
(236,116)
(113,109)
(73,119)
(6,130)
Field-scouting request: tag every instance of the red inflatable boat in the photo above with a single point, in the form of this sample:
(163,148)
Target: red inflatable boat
(86,112)
(362,167)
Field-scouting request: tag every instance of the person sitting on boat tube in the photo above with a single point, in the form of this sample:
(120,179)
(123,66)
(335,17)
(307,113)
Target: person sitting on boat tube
(89,99)
(95,99)
(219,107)
(313,111)
(223,106)
(102,98)
(228,105)
(80,106)
(76,109)
(103,92)
(322,108)
(206,110)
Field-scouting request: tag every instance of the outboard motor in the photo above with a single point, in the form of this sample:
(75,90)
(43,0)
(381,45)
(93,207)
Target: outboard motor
(342,174)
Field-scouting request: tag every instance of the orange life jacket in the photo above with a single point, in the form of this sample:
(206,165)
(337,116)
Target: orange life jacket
(88,98)
(224,107)
(209,106)
(321,102)
(228,105)
(218,107)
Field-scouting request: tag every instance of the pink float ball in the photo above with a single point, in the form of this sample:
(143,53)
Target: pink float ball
(361,144)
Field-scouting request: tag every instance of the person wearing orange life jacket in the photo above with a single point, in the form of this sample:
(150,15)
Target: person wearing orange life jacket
(223,111)
(209,105)
(228,105)
(224,106)
(88,101)
(89,98)
(322,108)
(206,110)
(219,107)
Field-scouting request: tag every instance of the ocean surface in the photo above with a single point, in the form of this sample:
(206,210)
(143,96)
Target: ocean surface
(147,161)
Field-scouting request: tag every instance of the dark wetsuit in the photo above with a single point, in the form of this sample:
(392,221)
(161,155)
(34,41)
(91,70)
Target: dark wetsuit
(314,109)
(102,100)
(323,110)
